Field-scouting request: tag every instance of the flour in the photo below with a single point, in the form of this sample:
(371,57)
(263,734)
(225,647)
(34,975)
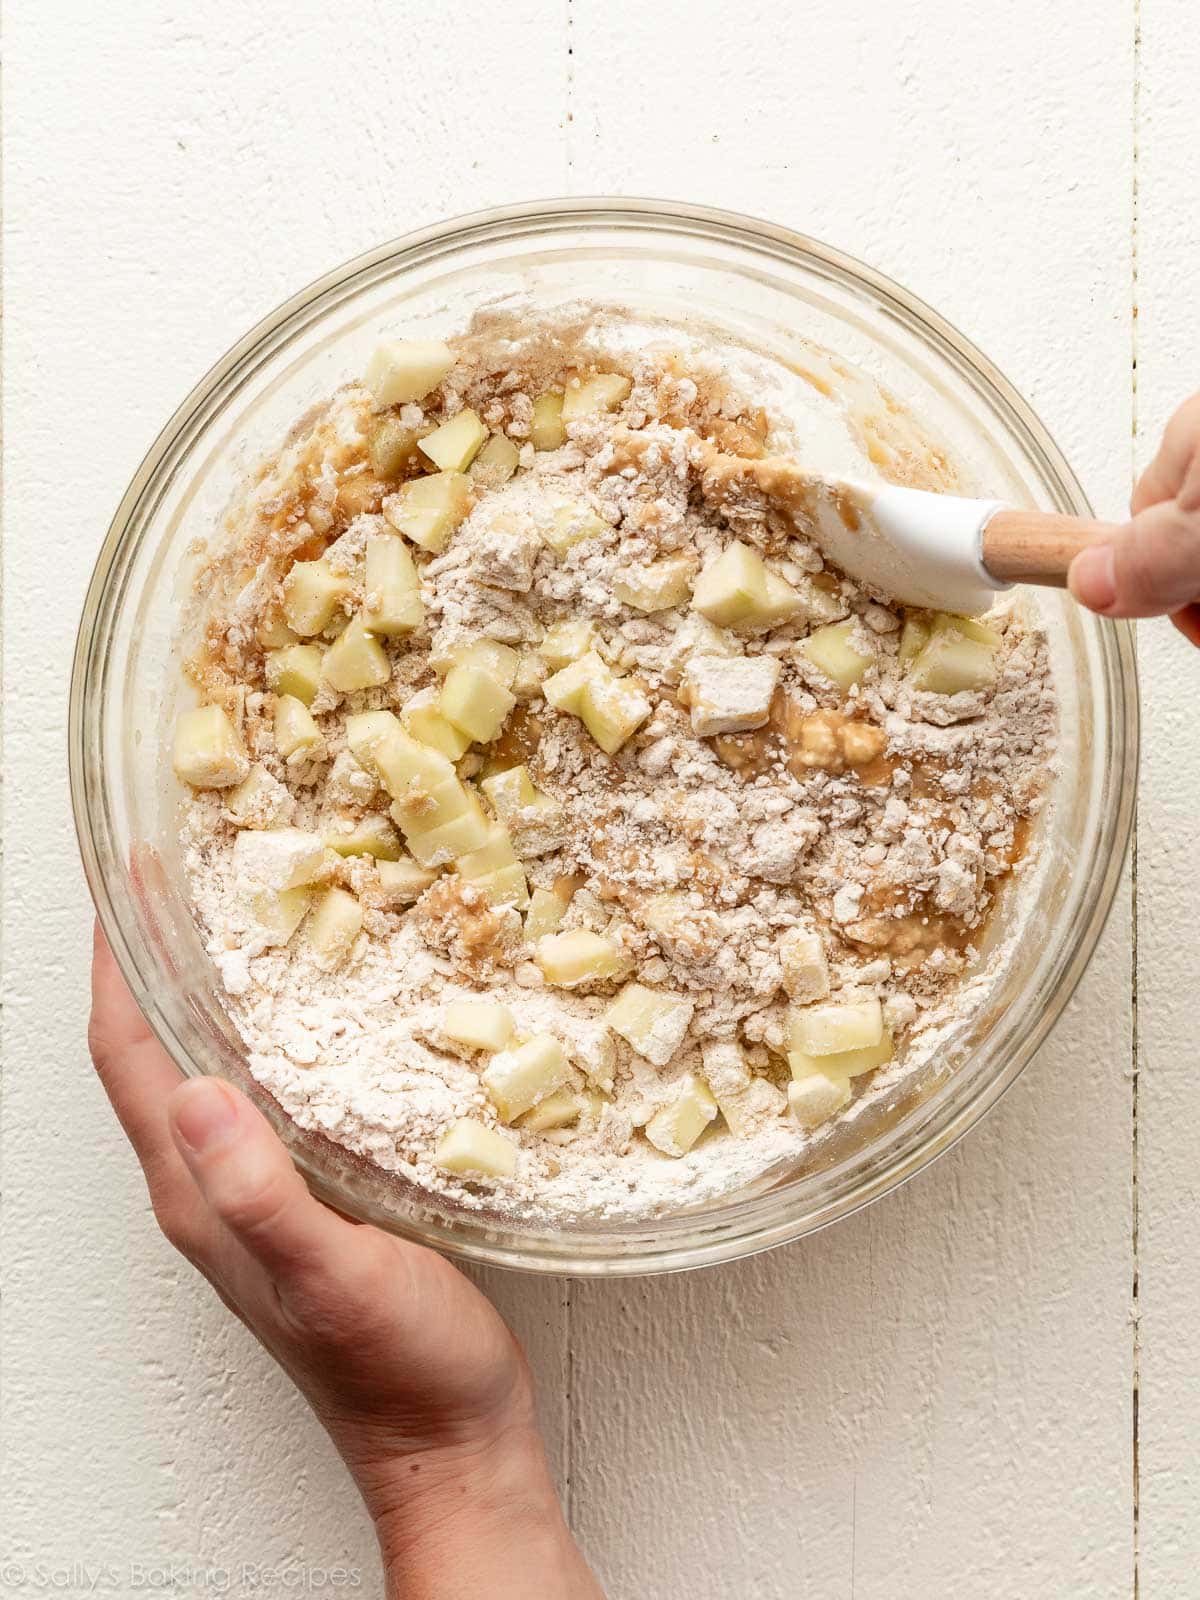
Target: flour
(761,840)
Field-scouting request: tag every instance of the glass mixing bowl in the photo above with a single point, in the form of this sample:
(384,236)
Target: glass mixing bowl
(767,287)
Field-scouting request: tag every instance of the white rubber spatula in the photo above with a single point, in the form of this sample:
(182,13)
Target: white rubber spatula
(937,550)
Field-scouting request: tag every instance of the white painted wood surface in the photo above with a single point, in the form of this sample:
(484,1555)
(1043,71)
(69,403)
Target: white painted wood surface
(935,1398)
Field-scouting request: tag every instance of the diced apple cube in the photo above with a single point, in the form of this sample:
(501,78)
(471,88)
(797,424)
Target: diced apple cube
(731,591)
(729,695)
(296,669)
(496,462)
(570,522)
(498,660)
(356,660)
(454,445)
(535,819)
(426,723)
(613,710)
(825,1030)
(914,636)
(604,392)
(507,886)
(334,925)
(816,1098)
(404,881)
(272,632)
(653,1022)
(279,858)
(544,916)
(296,730)
(746,1102)
(410,770)
(479,1024)
(969,627)
(259,801)
(697,636)
(475,702)
(515,1080)
(458,837)
(566,690)
(495,852)
(312,592)
(392,447)
(208,751)
(659,586)
(780,601)
(805,968)
(546,432)
(843,1063)
(565,642)
(428,510)
(527,679)
(280,912)
(364,730)
(392,590)
(557,1110)
(373,835)
(473,1150)
(951,663)
(675,1127)
(419,810)
(404,370)
(569,959)
(834,652)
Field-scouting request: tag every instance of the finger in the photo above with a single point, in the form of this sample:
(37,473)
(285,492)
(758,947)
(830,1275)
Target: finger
(137,1074)
(1164,477)
(1150,568)
(251,1186)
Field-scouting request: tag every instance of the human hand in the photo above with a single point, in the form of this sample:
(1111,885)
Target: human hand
(420,1384)
(1152,567)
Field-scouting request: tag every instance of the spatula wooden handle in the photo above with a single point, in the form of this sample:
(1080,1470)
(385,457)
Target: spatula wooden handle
(1038,546)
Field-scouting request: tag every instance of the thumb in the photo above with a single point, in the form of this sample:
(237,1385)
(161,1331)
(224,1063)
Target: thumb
(1152,567)
(247,1177)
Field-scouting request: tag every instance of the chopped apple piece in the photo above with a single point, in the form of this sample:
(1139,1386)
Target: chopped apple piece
(404,881)
(312,592)
(537,821)
(544,916)
(479,1024)
(454,445)
(411,771)
(914,636)
(473,1150)
(426,723)
(570,522)
(613,710)
(428,510)
(675,1127)
(567,689)
(527,679)
(372,836)
(951,663)
(356,660)
(419,810)
(737,591)
(392,447)
(272,632)
(496,462)
(746,1102)
(969,627)
(805,969)
(697,636)
(507,886)
(296,669)
(279,858)
(604,392)
(364,730)
(816,1098)
(729,695)
(546,431)
(843,1063)
(557,1110)
(654,1023)
(659,586)
(498,660)
(208,749)
(334,925)
(825,1030)
(452,839)
(473,701)
(393,603)
(259,801)
(832,650)
(565,642)
(280,912)
(495,852)
(517,1079)
(569,959)
(296,730)
(404,370)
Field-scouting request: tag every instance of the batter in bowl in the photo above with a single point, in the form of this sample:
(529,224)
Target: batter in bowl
(570,838)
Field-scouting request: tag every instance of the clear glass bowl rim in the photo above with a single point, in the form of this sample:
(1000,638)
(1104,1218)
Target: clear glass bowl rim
(313,303)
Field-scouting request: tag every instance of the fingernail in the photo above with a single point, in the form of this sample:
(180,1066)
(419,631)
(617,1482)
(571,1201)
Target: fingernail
(1092,577)
(205,1115)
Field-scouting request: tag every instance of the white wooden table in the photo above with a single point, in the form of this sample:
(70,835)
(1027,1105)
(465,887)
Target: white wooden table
(987,1385)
